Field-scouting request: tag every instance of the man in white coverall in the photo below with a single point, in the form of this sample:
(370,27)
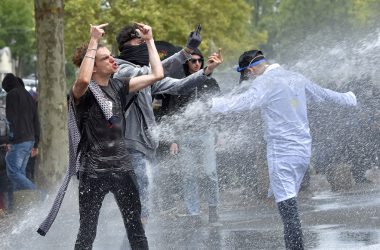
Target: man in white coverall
(282,97)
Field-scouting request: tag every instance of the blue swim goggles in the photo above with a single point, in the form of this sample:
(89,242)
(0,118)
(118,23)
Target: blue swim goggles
(251,64)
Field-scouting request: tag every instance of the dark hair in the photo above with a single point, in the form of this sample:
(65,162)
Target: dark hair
(196,51)
(249,57)
(126,34)
(80,52)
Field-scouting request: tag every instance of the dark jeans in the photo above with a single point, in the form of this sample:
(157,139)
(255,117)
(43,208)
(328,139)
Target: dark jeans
(91,194)
(140,165)
(292,225)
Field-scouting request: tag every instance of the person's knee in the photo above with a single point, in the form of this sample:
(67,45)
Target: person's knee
(288,209)
(288,203)
(14,177)
(145,180)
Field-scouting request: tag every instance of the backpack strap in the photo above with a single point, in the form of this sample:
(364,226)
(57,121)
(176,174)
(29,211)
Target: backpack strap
(130,102)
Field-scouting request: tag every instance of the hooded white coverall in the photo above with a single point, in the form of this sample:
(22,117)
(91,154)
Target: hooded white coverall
(282,96)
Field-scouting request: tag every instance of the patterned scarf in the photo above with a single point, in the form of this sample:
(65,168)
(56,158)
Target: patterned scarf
(74,155)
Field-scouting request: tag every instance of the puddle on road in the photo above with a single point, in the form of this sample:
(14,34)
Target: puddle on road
(334,201)
(331,237)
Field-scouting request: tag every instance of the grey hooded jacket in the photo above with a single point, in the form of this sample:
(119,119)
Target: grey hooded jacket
(140,133)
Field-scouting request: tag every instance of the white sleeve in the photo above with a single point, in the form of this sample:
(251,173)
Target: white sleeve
(316,93)
(250,99)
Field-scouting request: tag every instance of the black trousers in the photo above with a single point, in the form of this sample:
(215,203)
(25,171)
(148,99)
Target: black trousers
(7,190)
(91,194)
(292,224)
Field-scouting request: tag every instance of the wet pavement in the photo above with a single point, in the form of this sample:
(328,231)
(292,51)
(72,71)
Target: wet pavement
(330,220)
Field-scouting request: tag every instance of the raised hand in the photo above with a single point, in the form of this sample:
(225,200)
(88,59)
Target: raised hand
(97,31)
(214,61)
(194,39)
(173,149)
(145,31)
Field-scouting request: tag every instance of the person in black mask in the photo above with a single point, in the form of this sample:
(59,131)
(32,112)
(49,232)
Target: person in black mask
(142,142)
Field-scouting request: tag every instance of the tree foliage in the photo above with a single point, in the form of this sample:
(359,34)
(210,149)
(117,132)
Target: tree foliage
(79,14)
(17,30)
(278,26)
(366,13)
(233,25)
(226,24)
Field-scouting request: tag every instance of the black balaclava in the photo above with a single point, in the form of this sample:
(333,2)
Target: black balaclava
(10,82)
(186,66)
(137,54)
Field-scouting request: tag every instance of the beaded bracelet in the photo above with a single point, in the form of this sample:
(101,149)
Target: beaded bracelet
(90,57)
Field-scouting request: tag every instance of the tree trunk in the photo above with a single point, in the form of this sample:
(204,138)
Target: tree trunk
(52,104)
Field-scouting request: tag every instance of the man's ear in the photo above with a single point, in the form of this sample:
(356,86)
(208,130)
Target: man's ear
(255,70)
(251,70)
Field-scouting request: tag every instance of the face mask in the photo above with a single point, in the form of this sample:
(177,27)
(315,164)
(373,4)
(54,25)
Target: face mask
(137,54)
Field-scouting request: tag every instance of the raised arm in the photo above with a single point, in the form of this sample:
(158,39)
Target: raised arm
(171,65)
(183,86)
(86,68)
(316,93)
(157,72)
(175,63)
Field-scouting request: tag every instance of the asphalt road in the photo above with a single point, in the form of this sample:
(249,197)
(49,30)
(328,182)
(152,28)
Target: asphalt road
(330,220)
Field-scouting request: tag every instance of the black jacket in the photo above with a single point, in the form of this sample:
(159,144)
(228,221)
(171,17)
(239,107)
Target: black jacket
(173,103)
(21,112)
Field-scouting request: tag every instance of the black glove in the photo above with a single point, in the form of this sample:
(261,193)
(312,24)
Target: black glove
(194,40)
